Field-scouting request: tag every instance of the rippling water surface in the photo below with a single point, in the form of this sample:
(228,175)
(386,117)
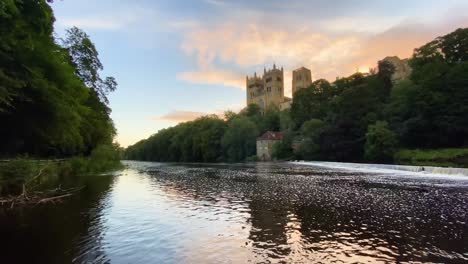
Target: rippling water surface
(257,213)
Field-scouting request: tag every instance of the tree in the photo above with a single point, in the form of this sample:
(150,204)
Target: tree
(45,107)
(85,57)
(270,121)
(309,147)
(311,102)
(283,150)
(239,141)
(451,48)
(385,73)
(381,143)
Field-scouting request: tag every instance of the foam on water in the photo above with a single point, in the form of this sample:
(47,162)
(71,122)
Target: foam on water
(420,171)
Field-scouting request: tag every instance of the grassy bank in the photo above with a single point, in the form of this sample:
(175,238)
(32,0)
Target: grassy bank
(433,157)
(43,174)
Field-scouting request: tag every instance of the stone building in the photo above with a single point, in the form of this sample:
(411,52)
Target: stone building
(265,144)
(402,68)
(301,78)
(268,89)
(286,104)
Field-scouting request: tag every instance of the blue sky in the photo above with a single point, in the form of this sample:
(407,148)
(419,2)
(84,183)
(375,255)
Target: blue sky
(176,60)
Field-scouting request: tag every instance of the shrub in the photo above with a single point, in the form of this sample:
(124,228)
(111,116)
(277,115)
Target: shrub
(381,143)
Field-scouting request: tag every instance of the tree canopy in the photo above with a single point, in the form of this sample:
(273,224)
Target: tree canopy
(47,107)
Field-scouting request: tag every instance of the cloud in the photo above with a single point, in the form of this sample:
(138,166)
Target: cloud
(101,23)
(122,16)
(180,116)
(253,47)
(214,77)
(401,40)
(332,49)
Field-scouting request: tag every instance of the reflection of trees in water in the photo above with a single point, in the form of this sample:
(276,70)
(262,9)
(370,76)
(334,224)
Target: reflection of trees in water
(58,233)
(268,228)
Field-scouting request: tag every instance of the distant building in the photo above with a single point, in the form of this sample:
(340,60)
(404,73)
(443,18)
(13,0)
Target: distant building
(402,68)
(265,144)
(268,89)
(301,78)
(286,104)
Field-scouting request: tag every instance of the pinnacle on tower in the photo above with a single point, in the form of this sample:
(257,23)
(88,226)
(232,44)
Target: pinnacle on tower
(274,66)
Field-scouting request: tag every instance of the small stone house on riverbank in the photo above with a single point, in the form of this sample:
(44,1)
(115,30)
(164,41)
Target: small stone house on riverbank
(265,144)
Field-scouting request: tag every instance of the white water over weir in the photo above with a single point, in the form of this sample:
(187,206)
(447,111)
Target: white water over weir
(429,171)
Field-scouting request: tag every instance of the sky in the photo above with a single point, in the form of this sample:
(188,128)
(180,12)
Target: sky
(180,59)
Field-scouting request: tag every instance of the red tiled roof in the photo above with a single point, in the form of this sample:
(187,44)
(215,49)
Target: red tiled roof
(270,135)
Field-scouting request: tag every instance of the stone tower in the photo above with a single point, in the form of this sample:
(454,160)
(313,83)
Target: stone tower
(255,91)
(302,78)
(266,90)
(273,82)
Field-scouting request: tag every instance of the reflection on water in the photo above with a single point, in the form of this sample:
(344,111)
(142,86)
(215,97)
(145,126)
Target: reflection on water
(276,213)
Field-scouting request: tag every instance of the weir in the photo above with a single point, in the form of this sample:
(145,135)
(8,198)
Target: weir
(458,173)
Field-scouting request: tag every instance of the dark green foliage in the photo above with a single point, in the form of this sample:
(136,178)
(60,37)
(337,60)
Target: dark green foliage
(430,111)
(47,108)
(196,141)
(312,102)
(85,57)
(209,139)
(283,150)
(239,141)
(381,143)
(309,145)
(433,157)
(38,173)
(385,71)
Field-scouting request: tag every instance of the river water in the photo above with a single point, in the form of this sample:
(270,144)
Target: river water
(245,213)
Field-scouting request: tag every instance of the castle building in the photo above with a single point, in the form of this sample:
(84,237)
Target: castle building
(268,89)
(402,68)
(302,78)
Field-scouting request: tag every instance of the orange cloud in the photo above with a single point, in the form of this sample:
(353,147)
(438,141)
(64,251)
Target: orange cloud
(180,116)
(215,77)
(251,45)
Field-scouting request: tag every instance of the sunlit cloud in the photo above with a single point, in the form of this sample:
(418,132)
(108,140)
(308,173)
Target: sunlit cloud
(214,77)
(180,116)
(328,55)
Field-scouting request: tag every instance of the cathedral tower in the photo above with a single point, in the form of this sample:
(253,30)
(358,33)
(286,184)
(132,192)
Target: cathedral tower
(302,78)
(273,83)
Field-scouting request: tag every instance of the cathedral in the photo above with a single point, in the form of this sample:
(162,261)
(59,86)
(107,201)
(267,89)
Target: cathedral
(268,89)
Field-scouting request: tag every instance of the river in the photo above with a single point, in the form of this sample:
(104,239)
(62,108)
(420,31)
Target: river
(239,213)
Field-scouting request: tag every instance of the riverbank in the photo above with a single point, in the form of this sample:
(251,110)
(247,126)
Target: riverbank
(450,157)
(30,181)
